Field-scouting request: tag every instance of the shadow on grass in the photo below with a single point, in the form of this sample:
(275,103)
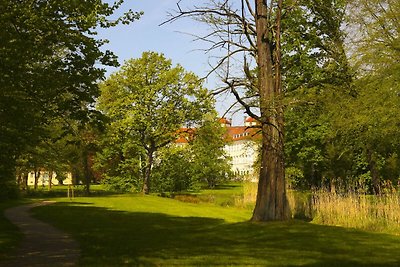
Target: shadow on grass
(10,236)
(116,238)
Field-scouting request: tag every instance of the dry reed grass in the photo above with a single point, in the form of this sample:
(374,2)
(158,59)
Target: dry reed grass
(373,213)
(249,193)
(367,212)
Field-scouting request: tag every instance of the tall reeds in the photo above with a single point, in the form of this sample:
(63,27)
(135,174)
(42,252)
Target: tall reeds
(367,212)
(356,210)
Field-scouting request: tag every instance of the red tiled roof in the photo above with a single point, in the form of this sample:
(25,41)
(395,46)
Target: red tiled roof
(236,133)
(250,119)
(184,135)
(181,140)
(233,133)
(224,121)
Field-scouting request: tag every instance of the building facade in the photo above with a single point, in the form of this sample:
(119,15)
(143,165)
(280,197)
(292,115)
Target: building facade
(242,146)
(44,178)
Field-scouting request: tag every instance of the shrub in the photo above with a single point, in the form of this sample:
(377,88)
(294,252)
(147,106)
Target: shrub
(174,172)
(126,183)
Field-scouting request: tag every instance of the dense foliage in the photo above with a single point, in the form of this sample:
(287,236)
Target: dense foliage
(50,64)
(342,134)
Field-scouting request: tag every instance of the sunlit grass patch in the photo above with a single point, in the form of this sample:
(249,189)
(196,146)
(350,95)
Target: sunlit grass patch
(138,230)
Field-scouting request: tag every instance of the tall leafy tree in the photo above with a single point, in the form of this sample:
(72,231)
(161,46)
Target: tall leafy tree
(209,157)
(149,100)
(199,161)
(175,170)
(370,123)
(202,160)
(374,31)
(352,130)
(50,63)
(368,126)
(316,74)
(119,160)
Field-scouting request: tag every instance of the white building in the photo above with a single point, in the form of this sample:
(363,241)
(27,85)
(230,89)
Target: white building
(44,177)
(242,147)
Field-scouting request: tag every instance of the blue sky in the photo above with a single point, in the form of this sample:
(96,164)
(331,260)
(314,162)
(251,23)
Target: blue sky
(173,40)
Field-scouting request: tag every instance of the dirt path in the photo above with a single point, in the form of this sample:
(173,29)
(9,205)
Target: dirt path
(43,244)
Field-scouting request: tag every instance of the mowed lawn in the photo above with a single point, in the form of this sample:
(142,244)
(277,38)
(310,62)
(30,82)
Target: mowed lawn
(136,230)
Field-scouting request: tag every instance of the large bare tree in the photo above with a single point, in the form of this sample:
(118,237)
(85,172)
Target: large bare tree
(248,36)
(271,201)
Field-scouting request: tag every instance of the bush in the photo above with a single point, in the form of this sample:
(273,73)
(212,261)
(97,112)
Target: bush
(174,172)
(295,178)
(125,183)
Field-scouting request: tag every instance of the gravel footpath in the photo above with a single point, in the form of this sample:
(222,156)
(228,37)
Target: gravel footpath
(43,244)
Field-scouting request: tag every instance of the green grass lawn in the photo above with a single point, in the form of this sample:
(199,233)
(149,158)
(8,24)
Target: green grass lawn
(222,195)
(136,230)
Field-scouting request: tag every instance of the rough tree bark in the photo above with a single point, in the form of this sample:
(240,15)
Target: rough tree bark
(25,181)
(36,181)
(50,179)
(271,203)
(86,172)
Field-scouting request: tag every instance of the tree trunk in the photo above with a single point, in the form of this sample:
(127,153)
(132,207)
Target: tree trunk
(271,203)
(50,179)
(147,174)
(87,173)
(376,185)
(19,179)
(37,175)
(25,181)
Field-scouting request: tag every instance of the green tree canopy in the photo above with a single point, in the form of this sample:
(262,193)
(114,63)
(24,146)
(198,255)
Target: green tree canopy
(209,157)
(50,64)
(149,100)
(350,137)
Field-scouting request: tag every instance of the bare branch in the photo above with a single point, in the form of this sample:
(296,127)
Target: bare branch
(247,28)
(229,109)
(250,9)
(240,100)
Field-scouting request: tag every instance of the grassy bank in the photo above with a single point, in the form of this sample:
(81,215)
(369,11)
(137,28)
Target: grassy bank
(152,231)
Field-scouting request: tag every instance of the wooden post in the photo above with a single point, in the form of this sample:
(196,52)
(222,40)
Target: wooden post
(71,193)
